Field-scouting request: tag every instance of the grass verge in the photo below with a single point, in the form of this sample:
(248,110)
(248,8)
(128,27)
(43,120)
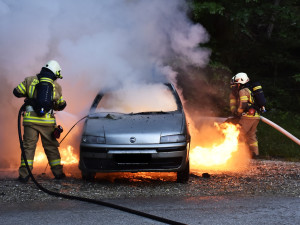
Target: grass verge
(272,143)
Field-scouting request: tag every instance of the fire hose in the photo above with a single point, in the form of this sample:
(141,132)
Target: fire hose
(280,129)
(73,197)
(235,120)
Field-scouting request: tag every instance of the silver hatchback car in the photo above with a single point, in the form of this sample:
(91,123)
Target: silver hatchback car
(147,140)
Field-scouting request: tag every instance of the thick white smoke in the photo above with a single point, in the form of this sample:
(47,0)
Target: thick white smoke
(99,44)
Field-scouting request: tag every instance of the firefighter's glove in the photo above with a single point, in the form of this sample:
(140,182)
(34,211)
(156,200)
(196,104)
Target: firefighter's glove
(23,108)
(60,107)
(17,93)
(251,111)
(29,101)
(57,131)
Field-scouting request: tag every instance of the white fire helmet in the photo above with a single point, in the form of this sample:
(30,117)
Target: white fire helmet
(54,67)
(240,78)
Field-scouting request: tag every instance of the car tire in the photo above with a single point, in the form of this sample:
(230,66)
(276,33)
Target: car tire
(184,175)
(88,176)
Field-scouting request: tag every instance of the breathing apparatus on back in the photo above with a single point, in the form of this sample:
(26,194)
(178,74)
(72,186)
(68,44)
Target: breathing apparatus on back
(44,89)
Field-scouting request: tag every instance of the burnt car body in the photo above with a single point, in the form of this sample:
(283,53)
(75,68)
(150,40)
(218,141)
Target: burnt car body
(147,141)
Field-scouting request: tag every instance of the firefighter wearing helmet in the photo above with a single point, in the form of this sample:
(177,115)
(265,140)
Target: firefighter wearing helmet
(43,95)
(241,101)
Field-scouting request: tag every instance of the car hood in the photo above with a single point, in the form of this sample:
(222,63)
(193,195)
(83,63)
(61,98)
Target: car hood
(143,128)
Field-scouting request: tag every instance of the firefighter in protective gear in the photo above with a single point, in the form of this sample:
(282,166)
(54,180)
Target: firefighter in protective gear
(35,125)
(241,100)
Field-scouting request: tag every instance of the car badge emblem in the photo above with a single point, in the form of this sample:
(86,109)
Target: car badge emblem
(132,140)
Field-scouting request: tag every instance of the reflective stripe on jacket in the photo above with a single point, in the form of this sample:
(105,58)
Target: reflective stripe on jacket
(31,117)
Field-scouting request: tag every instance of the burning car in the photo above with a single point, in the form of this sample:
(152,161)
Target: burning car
(123,134)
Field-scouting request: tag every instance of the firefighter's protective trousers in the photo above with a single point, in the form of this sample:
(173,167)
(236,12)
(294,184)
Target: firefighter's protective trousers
(248,130)
(50,145)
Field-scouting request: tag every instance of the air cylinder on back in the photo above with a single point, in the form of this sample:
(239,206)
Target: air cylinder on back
(258,94)
(44,97)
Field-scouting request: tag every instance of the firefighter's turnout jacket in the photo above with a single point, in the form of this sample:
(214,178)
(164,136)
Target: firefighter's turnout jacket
(239,104)
(35,125)
(27,89)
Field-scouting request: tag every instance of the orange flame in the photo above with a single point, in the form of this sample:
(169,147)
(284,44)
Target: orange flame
(217,154)
(68,156)
(222,153)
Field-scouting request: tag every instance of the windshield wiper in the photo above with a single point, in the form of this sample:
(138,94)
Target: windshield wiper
(98,115)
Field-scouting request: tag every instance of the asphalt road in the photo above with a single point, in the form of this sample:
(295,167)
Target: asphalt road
(268,192)
(193,210)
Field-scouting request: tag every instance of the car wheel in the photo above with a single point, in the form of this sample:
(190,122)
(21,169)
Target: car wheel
(88,176)
(184,175)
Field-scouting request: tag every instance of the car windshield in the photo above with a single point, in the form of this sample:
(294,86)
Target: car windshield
(139,99)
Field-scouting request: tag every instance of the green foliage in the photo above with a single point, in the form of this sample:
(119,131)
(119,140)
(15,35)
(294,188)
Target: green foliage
(297,77)
(212,8)
(272,143)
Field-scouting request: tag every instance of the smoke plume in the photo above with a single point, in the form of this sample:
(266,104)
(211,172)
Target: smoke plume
(100,45)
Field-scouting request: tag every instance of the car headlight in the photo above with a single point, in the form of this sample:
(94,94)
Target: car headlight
(93,139)
(173,138)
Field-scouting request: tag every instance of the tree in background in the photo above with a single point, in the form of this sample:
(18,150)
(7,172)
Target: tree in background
(261,38)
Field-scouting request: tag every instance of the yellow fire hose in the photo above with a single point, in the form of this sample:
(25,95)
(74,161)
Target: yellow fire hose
(280,129)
